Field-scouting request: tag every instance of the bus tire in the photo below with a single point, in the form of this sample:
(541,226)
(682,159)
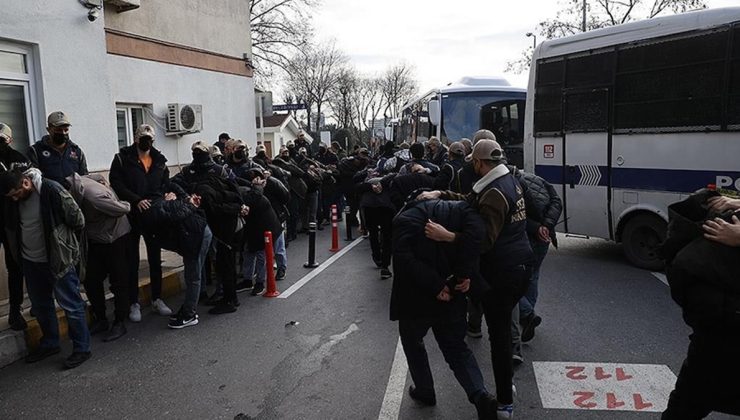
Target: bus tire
(640,239)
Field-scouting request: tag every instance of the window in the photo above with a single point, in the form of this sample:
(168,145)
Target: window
(16,91)
(128,119)
(549,98)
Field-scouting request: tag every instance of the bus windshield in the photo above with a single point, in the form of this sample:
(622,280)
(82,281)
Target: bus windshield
(501,112)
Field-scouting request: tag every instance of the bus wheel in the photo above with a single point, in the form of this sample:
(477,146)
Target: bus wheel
(640,240)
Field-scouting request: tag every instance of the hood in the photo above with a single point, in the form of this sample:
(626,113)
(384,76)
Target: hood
(76,187)
(36,178)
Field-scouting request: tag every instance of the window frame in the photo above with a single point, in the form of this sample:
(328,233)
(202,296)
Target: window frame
(128,109)
(28,82)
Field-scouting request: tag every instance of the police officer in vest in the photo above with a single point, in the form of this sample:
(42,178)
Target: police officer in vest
(506,256)
(55,154)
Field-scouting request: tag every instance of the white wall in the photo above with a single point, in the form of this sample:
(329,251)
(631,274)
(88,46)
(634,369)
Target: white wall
(228,101)
(70,58)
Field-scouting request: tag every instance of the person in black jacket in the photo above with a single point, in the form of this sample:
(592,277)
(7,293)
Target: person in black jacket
(428,293)
(376,205)
(55,154)
(9,160)
(403,185)
(298,189)
(139,174)
(447,178)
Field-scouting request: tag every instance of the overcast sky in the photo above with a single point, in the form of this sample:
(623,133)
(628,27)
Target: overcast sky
(443,40)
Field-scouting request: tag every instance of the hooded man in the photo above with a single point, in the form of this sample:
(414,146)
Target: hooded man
(55,154)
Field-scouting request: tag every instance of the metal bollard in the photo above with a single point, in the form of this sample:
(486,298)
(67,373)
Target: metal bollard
(334,230)
(311,246)
(347,223)
(272,290)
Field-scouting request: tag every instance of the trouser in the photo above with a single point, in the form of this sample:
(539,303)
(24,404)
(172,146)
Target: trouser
(708,378)
(516,332)
(254,262)
(508,287)
(15,274)
(226,269)
(43,287)
(378,221)
(153,256)
(450,336)
(310,208)
(294,207)
(193,273)
(527,302)
(108,260)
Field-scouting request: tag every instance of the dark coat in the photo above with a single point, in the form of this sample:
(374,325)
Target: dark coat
(131,182)
(447,178)
(403,185)
(56,165)
(262,218)
(466,178)
(542,201)
(422,266)
(176,225)
(10,160)
(295,182)
(222,203)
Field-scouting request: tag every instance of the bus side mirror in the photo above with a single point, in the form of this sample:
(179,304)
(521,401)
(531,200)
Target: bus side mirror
(435,112)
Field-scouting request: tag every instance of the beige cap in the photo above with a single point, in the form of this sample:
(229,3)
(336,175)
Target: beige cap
(240,144)
(457,148)
(486,149)
(483,134)
(215,151)
(200,145)
(145,130)
(261,148)
(5,131)
(363,151)
(289,144)
(57,119)
(283,149)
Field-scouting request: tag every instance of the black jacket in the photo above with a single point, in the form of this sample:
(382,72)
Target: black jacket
(403,185)
(542,201)
(131,182)
(56,165)
(10,160)
(295,181)
(421,266)
(222,203)
(447,178)
(262,218)
(176,225)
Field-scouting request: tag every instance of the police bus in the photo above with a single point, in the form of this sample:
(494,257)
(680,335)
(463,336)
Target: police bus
(458,110)
(628,119)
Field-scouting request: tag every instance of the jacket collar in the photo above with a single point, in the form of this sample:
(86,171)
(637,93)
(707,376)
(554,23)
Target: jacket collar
(491,176)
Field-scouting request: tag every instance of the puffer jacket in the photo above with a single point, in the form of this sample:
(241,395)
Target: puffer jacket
(422,266)
(105,214)
(62,220)
(542,201)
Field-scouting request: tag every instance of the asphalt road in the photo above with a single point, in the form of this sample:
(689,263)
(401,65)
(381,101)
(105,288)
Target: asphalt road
(335,362)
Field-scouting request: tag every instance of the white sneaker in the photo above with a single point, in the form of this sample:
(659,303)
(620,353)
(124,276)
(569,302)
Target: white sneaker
(505,412)
(134,313)
(161,308)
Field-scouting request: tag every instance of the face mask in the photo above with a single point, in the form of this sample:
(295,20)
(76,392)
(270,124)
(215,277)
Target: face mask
(240,155)
(145,143)
(3,146)
(59,138)
(200,157)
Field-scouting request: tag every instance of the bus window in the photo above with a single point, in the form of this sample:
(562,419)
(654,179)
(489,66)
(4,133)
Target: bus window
(549,98)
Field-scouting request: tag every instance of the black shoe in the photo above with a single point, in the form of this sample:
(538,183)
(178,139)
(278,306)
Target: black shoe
(77,358)
(426,398)
(41,353)
(385,274)
(517,359)
(184,321)
(280,275)
(117,331)
(99,326)
(474,332)
(223,307)
(244,286)
(16,320)
(258,289)
(214,300)
(528,325)
(486,406)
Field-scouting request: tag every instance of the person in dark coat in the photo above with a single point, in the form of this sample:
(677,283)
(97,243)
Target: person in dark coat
(447,178)
(298,189)
(376,204)
(437,152)
(417,156)
(301,142)
(221,143)
(139,174)
(348,168)
(403,185)
(55,154)
(11,159)
(428,293)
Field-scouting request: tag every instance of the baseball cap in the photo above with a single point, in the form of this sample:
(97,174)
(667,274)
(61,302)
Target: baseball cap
(5,131)
(483,134)
(261,148)
(214,151)
(240,144)
(57,119)
(145,130)
(363,151)
(200,145)
(457,149)
(486,149)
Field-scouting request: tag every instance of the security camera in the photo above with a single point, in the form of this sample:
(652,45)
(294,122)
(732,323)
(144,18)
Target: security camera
(93,14)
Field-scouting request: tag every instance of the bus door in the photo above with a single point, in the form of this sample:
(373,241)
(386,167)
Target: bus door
(586,143)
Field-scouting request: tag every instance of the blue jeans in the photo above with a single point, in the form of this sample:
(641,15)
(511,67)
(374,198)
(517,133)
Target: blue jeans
(193,273)
(450,336)
(254,262)
(42,288)
(528,301)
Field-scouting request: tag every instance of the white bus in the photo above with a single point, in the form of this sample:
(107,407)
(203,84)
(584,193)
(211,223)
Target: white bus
(628,119)
(458,110)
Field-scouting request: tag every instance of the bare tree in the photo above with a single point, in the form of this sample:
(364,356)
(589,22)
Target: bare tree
(370,102)
(398,86)
(601,13)
(343,96)
(279,29)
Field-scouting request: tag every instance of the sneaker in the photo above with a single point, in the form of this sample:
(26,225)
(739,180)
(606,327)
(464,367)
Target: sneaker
(134,313)
(528,325)
(16,320)
(426,398)
(385,274)
(474,332)
(485,405)
(41,353)
(183,321)
(161,308)
(243,286)
(117,331)
(99,326)
(223,307)
(513,391)
(77,358)
(505,411)
(280,275)
(517,359)
(258,289)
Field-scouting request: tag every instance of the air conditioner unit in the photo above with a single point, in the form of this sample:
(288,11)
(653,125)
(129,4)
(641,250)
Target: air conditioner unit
(184,118)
